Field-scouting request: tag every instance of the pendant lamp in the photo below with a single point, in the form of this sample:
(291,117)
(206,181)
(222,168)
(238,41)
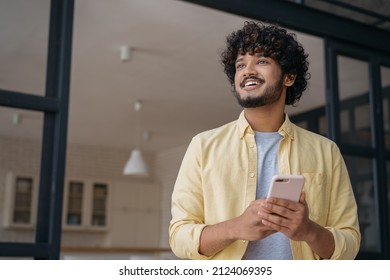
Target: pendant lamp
(136,165)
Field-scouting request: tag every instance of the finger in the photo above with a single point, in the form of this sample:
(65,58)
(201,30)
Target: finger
(294,206)
(284,209)
(302,198)
(274,222)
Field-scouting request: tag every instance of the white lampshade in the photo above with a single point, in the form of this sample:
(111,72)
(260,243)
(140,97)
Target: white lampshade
(136,165)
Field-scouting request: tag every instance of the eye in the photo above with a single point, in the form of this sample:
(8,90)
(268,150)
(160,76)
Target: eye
(262,61)
(240,66)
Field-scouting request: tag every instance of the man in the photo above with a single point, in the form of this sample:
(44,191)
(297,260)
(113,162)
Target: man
(219,204)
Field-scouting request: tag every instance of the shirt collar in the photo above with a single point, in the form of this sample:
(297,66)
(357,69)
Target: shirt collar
(243,125)
(285,130)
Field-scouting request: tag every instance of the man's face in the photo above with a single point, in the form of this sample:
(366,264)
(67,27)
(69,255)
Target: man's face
(258,80)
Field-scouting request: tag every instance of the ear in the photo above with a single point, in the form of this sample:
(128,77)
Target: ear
(289,79)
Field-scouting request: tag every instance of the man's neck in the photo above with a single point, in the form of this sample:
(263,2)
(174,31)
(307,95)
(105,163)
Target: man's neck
(264,119)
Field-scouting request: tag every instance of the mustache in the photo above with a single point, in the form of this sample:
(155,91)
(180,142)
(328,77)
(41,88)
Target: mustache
(261,81)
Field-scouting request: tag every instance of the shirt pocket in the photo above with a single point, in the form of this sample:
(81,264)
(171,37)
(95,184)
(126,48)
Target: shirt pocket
(317,196)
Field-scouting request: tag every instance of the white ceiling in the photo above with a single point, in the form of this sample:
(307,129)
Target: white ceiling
(174,69)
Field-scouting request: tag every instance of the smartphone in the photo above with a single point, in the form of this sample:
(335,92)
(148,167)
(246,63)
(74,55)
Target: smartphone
(286,187)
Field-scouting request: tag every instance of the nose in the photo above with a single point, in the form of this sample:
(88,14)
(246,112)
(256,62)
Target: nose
(250,69)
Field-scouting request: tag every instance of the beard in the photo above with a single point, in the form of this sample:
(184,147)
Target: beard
(270,95)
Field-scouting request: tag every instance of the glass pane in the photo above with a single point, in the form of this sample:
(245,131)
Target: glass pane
(20,142)
(21,127)
(363,127)
(385,78)
(23,48)
(323,126)
(361,174)
(23,200)
(302,124)
(99,204)
(75,203)
(354,100)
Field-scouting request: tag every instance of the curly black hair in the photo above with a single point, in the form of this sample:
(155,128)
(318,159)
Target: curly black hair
(272,41)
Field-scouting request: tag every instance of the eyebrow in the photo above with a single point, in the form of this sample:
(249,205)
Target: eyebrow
(239,60)
(256,54)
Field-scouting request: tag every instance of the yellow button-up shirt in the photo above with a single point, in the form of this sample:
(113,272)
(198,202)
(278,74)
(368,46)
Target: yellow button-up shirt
(217,182)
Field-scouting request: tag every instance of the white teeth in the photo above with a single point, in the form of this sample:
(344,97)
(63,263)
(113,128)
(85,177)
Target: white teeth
(251,83)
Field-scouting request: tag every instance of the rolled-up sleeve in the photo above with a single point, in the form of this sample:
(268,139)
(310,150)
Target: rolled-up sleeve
(187,206)
(343,218)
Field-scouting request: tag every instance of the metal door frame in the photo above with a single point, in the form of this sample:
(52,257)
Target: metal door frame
(54,105)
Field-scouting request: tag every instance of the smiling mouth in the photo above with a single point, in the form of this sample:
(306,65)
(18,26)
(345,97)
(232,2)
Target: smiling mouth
(251,82)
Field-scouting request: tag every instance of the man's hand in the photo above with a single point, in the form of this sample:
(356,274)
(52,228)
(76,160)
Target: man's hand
(292,219)
(289,217)
(248,226)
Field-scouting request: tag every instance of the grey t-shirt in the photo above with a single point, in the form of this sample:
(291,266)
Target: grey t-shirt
(275,246)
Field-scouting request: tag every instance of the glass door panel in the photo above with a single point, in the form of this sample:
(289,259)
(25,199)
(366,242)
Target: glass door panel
(23,51)
(358,82)
(21,133)
(355,117)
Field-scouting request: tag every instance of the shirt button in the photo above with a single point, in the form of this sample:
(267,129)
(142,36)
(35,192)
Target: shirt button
(252,146)
(252,174)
